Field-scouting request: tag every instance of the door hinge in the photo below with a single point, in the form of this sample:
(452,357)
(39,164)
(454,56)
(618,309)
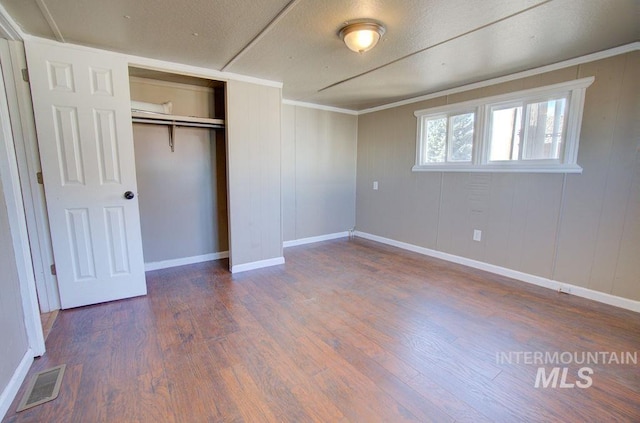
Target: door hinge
(39,178)
(53,269)
(25,75)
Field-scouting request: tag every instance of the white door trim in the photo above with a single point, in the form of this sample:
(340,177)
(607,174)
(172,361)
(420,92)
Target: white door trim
(28,159)
(18,226)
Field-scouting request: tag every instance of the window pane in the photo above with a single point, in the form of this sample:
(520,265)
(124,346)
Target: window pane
(544,130)
(506,126)
(436,139)
(461,142)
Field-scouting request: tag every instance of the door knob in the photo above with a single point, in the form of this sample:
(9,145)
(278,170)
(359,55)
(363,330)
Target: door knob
(129,195)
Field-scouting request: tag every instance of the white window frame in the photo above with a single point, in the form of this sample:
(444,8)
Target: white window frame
(574,91)
(447,115)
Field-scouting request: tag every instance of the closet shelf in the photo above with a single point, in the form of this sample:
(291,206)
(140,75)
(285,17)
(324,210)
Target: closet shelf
(173,120)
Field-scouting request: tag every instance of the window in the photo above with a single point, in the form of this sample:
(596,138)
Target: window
(532,131)
(448,138)
(536,134)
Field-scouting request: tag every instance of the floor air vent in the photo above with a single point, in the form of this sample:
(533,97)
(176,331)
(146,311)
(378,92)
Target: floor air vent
(43,387)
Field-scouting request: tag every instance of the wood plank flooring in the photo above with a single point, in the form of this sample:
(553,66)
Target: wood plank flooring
(47,320)
(346,330)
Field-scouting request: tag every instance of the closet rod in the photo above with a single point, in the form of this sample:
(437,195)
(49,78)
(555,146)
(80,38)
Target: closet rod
(177,123)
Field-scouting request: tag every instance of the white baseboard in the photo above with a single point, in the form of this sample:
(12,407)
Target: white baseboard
(256,265)
(510,273)
(11,390)
(157,265)
(313,239)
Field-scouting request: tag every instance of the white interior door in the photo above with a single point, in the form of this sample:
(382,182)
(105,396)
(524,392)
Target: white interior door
(83,121)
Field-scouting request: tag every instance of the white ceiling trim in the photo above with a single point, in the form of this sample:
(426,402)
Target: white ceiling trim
(319,107)
(524,74)
(180,68)
(9,29)
(262,33)
(49,18)
(547,90)
(165,66)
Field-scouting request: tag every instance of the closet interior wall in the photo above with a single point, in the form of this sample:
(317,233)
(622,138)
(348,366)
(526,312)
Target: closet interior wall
(182,194)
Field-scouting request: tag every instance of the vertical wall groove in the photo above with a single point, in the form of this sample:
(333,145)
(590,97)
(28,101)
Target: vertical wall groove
(558,227)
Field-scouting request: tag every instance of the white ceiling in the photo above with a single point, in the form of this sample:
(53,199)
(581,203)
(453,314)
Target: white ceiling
(430,45)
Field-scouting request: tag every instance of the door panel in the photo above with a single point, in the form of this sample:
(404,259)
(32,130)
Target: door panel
(82,112)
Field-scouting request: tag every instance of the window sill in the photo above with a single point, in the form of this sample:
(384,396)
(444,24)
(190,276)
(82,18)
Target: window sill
(492,168)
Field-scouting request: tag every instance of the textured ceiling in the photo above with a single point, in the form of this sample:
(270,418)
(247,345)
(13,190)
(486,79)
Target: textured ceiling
(430,45)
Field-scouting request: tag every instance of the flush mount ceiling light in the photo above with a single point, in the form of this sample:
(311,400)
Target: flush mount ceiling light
(361,36)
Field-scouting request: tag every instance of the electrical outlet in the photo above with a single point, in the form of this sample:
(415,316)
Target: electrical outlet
(375,185)
(477,235)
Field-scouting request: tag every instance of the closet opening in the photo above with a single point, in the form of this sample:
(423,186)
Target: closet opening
(181,170)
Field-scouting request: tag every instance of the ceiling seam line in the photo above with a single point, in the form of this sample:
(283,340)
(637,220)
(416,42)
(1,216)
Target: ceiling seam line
(262,33)
(433,46)
(49,18)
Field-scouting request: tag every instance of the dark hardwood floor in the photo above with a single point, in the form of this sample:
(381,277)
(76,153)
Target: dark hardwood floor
(346,330)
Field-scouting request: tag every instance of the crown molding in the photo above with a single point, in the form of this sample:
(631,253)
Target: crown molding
(9,29)
(627,48)
(604,54)
(162,65)
(319,107)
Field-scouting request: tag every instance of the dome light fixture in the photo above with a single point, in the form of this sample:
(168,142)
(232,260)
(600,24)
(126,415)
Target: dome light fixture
(362,35)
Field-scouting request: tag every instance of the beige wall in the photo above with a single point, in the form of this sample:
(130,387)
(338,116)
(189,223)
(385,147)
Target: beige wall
(182,194)
(318,172)
(186,100)
(582,229)
(253,160)
(13,333)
